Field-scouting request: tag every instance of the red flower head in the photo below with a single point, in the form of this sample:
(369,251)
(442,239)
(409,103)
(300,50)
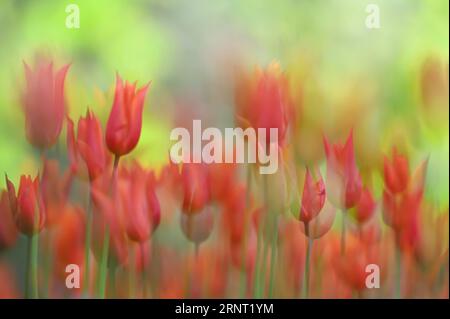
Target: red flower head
(313,197)
(396,172)
(125,121)
(196,188)
(28,206)
(343,179)
(43,103)
(89,145)
(263,101)
(8,230)
(108,216)
(138,202)
(365,208)
(69,237)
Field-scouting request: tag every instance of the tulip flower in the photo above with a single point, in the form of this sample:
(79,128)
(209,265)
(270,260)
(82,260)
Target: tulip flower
(43,103)
(343,179)
(125,120)
(27,206)
(68,241)
(139,203)
(89,145)
(29,214)
(365,208)
(197,227)
(313,197)
(196,187)
(396,172)
(8,230)
(263,101)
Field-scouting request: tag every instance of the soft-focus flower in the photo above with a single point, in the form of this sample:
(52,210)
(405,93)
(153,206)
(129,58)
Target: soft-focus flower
(88,144)
(197,227)
(313,197)
(68,240)
(28,206)
(108,216)
(125,120)
(138,202)
(263,101)
(365,208)
(396,172)
(322,223)
(343,179)
(55,186)
(196,187)
(8,230)
(43,103)
(352,269)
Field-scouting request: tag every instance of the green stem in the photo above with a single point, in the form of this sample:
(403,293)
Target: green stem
(104,264)
(144,272)
(398,274)
(273,255)
(344,225)
(87,243)
(306,274)
(31,290)
(245,239)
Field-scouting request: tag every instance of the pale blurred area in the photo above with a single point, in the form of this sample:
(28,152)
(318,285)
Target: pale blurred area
(342,74)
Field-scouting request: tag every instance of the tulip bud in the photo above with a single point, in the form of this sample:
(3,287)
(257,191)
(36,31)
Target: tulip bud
(396,173)
(313,197)
(125,120)
(343,180)
(28,206)
(43,103)
(90,146)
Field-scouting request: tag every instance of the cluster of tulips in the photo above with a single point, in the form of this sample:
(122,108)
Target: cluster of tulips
(250,235)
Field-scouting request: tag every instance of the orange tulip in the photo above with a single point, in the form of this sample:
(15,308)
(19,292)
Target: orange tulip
(125,120)
(28,206)
(43,103)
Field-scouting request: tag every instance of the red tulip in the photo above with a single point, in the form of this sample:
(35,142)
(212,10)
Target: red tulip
(139,203)
(69,237)
(365,208)
(313,197)
(125,121)
(263,101)
(352,269)
(8,230)
(196,187)
(343,179)
(396,172)
(43,103)
(89,145)
(28,206)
